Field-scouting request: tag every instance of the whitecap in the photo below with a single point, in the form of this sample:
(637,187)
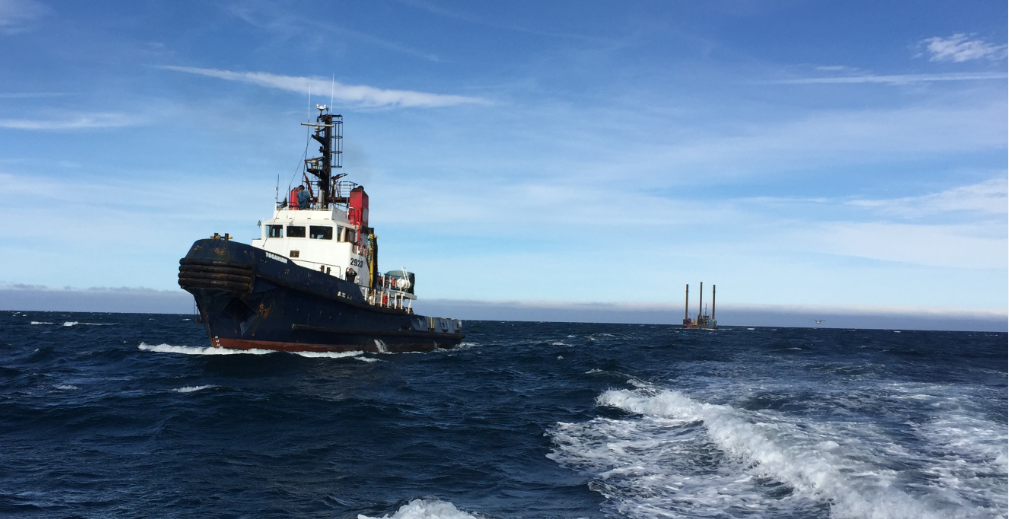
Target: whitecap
(40,322)
(189,350)
(191,389)
(367,359)
(329,354)
(751,329)
(426,509)
(66,387)
(678,456)
(967,453)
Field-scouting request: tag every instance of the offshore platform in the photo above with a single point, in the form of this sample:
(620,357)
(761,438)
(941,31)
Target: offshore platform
(703,321)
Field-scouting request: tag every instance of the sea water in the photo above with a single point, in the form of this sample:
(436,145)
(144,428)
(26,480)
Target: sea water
(128,415)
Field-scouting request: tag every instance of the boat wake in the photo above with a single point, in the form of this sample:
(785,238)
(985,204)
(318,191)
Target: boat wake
(426,509)
(679,456)
(190,350)
(356,355)
(209,350)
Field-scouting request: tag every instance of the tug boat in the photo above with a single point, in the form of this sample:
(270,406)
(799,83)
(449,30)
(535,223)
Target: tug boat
(311,282)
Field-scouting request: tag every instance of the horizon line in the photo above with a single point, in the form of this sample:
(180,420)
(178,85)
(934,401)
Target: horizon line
(623,306)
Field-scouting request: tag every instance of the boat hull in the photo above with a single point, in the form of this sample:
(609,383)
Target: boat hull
(248,298)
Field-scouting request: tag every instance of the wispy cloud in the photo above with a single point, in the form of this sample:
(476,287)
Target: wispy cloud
(32,95)
(466,17)
(17,15)
(959,48)
(990,197)
(361,94)
(285,25)
(959,246)
(895,79)
(77,122)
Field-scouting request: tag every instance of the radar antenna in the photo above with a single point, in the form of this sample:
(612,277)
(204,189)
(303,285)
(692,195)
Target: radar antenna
(328,131)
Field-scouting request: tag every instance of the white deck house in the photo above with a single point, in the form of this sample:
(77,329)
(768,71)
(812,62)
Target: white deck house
(327,241)
(319,240)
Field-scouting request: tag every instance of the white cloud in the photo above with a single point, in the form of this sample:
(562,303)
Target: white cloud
(16,14)
(32,95)
(958,48)
(479,20)
(958,246)
(77,122)
(828,137)
(283,24)
(895,79)
(990,197)
(361,94)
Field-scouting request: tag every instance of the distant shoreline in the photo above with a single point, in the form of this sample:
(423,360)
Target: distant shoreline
(148,301)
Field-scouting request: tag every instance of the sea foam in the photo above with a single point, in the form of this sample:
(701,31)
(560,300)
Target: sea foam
(680,456)
(329,354)
(426,509)
(192,389)
(209,350)
(189,350)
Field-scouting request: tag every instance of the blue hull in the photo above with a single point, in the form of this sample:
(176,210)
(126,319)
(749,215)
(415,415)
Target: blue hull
(251,299)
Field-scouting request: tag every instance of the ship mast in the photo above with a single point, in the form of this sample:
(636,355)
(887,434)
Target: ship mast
(328,131)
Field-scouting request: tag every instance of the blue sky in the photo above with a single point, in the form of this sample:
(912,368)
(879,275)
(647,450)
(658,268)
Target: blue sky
(794,153)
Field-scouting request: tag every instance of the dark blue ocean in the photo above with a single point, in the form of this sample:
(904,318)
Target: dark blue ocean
(130,415)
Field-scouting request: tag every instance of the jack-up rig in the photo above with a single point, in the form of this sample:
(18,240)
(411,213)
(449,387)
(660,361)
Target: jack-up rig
(703,321)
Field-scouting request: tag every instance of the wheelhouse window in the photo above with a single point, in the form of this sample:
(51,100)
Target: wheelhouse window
(351,235)
(320,232)
(339,233)
(275,231)
(295,231)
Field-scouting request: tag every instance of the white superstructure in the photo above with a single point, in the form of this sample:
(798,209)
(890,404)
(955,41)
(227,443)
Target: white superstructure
(322,225)
(322,240)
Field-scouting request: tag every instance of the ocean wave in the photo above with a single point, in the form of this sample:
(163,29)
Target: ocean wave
(680,456)
(426,509)
(191,389)
(189,350)
(66,387)
(969,455)
(329,354)
(209,350)
(75,323)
